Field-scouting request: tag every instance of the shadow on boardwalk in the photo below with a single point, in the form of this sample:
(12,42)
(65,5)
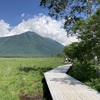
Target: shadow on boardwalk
(67,80)
(62,85)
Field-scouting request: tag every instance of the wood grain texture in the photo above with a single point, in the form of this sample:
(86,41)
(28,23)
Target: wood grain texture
(65,87)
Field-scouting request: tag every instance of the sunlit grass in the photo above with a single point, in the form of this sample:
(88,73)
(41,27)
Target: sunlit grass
(24,75)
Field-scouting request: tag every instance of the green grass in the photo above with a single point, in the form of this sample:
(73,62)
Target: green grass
(24,75)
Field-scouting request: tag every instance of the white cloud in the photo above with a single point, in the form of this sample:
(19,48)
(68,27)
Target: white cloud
(4,28)
(23,15)
(42,25)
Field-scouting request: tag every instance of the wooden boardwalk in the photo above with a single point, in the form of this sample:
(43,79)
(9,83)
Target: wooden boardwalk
(65,87)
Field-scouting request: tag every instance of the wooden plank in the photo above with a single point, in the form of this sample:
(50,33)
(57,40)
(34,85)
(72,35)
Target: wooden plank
(65,87)
(61,69)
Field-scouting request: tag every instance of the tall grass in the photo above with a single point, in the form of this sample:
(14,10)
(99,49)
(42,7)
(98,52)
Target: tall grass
(24,75)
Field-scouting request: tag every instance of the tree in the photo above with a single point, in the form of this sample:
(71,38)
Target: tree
(81,17)
(89,32)
(70,10)
(79,51)
(70,50)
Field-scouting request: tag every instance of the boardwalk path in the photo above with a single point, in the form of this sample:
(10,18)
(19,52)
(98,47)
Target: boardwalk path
(65,87)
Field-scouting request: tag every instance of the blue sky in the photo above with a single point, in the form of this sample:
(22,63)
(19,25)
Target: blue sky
(18,16)
(11,10)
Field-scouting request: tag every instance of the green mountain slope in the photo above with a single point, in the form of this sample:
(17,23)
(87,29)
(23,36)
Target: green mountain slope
(29,44)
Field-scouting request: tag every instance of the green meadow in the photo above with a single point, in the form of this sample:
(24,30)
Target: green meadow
(23,76)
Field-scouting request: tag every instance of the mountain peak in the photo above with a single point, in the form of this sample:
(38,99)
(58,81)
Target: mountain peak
(29,44)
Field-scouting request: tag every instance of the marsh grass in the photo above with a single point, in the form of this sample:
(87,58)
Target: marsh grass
(24,75)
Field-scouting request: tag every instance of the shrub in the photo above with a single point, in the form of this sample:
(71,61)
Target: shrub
(94,83)
(83,72)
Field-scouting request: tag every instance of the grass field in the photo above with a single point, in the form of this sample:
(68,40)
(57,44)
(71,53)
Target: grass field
(24,75)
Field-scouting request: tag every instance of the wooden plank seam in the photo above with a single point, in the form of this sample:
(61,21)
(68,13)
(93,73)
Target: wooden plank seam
(64,87)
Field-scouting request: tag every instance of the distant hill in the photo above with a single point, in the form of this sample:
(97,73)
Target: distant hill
(29,44)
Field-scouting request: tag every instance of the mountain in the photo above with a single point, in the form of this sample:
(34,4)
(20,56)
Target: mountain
(28,44)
